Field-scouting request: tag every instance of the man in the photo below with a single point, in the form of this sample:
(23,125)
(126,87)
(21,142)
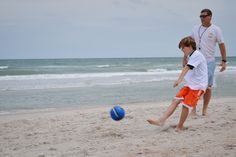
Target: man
(206,36)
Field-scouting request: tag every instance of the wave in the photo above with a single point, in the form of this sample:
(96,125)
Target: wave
(84,75)
(78,83)
(149,72)
(157,70)
(231,68)
(3,67)
(103,66)
(78,80)
(55,66)
(60,81)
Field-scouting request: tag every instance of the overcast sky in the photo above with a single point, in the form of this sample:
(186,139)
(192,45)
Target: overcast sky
(106,28)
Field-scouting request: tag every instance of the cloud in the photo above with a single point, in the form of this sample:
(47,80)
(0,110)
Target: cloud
(104,27)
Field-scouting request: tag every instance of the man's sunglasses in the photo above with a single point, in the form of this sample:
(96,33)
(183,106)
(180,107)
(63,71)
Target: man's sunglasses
(203,16)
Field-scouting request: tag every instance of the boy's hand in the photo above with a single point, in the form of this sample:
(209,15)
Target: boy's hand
(176,83)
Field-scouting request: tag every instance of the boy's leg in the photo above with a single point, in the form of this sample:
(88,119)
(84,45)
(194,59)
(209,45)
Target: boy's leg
(194,112)
(166,114)
(183,118)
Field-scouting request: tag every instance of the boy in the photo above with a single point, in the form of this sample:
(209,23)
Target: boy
(196,80)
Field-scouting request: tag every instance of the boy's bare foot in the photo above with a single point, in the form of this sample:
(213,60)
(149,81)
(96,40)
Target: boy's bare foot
(179,129)
(155,122)
(193,114)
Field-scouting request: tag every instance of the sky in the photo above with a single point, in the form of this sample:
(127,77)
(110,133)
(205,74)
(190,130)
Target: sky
(106,28)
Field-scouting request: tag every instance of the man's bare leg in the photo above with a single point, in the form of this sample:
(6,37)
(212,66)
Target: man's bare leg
(207,98)
(166,114)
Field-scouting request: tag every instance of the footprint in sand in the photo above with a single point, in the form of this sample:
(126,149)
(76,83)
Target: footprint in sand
(171,127)
(229,147)
(129,117)
(192,129)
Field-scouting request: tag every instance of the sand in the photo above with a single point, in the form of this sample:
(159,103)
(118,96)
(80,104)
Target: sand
(91,132)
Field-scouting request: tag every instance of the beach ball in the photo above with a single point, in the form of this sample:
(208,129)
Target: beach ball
(117,113)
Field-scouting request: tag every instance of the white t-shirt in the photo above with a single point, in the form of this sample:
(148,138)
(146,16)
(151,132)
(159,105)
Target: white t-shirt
(206,39)
(197,77)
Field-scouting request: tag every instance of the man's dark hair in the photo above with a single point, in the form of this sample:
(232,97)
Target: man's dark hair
(208,11)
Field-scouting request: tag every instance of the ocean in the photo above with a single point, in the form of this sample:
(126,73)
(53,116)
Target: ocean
(27,84)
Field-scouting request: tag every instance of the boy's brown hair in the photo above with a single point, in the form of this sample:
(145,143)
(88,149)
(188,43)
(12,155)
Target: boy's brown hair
(187,42)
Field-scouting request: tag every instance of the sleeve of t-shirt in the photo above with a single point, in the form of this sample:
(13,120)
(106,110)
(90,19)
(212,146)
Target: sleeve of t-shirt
(194,31)
(219,36)
(194,61)
(190,66)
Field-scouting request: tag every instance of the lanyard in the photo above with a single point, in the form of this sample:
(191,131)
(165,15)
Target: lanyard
(200,35)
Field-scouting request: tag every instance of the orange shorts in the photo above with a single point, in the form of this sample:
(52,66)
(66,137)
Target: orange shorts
(189,96)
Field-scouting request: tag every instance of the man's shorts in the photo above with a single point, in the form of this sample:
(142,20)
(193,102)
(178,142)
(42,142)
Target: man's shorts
(189,96)
(211,70)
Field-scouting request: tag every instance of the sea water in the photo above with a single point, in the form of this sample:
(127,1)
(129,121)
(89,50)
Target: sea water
(65,83)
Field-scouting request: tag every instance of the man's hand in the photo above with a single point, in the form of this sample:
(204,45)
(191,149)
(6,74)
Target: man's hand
(223,66)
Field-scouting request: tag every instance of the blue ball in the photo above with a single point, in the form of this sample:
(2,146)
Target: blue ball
(117,113)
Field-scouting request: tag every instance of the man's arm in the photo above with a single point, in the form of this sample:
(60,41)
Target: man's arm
(181,76)
(223,55)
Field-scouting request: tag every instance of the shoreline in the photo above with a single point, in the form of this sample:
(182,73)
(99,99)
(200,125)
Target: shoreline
(163,103)
(91,132)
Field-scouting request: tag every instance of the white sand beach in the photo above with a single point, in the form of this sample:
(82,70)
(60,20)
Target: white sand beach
(91,132)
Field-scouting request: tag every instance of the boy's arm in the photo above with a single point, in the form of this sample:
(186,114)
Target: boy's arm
(181,76)
(185,60)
